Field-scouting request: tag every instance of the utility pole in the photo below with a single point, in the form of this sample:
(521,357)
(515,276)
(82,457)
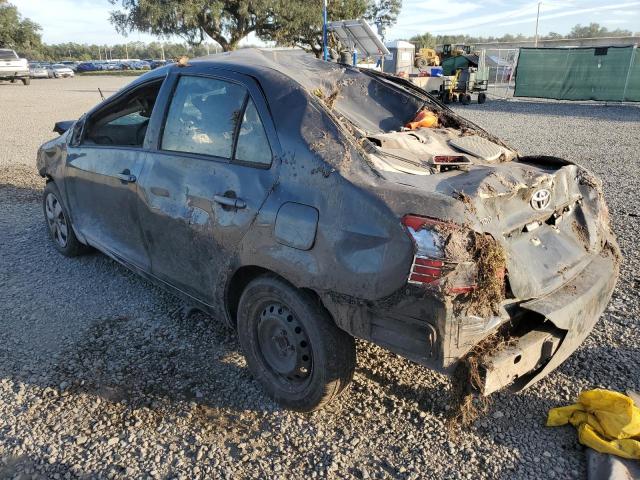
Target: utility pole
(535,44)
(162,50)
(126,49)
(325,46)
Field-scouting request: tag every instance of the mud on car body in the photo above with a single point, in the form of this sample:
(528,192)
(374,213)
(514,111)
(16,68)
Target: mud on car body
(285,195)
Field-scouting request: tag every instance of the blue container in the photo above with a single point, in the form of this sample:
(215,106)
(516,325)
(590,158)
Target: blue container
(436,72)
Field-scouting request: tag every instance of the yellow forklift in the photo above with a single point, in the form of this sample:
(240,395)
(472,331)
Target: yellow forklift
(462,78)
(460,86)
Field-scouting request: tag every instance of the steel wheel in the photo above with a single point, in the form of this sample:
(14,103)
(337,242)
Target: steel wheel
(284,344)
(292,345)
(58,225)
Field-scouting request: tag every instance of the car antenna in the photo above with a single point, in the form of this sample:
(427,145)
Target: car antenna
(101,95)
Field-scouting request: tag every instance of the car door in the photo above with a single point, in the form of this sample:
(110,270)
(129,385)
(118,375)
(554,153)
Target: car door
(207,177)
(102,168)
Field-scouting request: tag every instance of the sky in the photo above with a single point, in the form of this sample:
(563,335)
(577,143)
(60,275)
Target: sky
(87,21)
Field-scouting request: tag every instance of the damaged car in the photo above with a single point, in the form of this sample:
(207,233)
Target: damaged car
(308,203)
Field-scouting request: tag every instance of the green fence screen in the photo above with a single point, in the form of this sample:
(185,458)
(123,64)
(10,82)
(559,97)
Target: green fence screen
(591,73)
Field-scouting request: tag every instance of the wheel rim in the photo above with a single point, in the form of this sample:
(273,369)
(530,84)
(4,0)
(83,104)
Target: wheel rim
(58,225)
(284,344)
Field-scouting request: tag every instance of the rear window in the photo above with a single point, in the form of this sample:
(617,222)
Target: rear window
(8,55)
(202,117)
(218,118)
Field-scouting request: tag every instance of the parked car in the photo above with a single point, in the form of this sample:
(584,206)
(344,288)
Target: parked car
(287,196)
(13,68)
(57,70)
(38,70)
(73,65)
(153,64)
(86,67)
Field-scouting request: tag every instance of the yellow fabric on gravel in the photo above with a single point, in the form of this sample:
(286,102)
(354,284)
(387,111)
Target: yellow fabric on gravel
(607,421)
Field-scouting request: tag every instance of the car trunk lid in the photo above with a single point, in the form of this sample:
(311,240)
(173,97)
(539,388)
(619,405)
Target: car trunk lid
(547,215)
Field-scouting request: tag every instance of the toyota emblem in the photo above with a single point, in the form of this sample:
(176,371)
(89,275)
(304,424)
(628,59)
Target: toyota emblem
(540,199)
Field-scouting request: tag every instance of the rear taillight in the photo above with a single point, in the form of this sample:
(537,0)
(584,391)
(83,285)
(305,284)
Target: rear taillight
(430,264)
(425,270)
(428,261)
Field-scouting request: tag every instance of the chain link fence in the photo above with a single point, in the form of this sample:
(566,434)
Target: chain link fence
(498,66)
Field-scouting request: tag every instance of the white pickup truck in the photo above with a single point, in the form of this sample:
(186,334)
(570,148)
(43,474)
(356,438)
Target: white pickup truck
(13,67)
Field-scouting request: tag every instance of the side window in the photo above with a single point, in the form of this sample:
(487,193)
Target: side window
(203,116)
(253,145)
(123,123)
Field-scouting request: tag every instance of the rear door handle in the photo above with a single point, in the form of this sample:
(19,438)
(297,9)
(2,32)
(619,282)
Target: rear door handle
(126,176)
(229,201)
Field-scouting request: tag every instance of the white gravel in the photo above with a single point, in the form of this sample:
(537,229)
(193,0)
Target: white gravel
(100,376)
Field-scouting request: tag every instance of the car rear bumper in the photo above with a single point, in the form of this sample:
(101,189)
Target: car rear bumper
(5,74)
(570,314)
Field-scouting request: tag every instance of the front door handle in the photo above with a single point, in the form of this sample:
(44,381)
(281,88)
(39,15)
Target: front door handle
(126,176)
(229,201)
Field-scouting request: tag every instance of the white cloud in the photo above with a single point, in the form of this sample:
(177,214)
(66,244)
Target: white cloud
(574,12)
(467,22)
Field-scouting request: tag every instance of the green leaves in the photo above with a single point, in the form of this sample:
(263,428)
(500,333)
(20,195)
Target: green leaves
(226,22)
(17,33)
(285,22)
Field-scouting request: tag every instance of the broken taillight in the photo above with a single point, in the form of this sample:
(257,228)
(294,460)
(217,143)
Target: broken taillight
(428,260)
(430,264)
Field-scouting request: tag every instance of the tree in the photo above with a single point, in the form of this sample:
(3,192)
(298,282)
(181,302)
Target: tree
(426,40)
(384,12)
(227,22)
(299,22)
(17,33)
(595,30)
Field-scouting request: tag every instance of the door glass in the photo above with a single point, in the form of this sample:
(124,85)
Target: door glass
(123,123)
(253,145)
(202,117)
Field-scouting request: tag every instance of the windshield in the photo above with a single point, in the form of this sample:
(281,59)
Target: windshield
(8,55)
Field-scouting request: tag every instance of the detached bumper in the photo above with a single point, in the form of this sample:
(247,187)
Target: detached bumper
(571,313)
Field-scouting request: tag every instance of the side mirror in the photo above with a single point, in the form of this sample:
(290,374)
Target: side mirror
(61,127)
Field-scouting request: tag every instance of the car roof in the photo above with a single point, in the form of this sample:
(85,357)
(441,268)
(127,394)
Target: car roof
(370,103)
(298,65)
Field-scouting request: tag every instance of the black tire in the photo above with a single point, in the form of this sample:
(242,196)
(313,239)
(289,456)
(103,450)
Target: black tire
(26,81)
(57,221)
(292,346)
(465,99)
(482,97)
(14,80)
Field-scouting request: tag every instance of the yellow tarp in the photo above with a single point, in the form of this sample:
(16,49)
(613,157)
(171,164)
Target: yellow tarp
(607,421)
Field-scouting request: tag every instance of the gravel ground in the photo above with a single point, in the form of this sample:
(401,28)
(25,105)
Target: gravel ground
(102,377)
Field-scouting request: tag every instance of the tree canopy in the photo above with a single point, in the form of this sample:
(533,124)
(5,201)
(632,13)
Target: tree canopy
(286,22)
(595,30)
(20,34)
(384,12)
(300,22)
(427,40)
(227,22)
